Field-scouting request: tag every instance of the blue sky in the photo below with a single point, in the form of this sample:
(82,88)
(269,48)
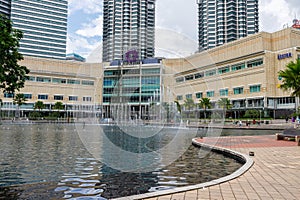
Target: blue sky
(178,16)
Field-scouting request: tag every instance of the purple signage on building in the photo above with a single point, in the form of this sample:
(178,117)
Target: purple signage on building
(131,56)
(284,56)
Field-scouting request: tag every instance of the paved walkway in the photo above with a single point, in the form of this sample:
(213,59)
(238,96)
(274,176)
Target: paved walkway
(274,175)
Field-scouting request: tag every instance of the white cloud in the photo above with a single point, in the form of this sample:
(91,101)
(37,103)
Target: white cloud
(275,14)
(81,45)
(92,29)
(87,6)
(179,15)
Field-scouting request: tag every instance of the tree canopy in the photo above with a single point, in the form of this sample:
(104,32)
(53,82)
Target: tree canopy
(19,99)
(291,78)
(39,105)
(189,104)
(205,103)
(12,75)
(224,103)
(58,106)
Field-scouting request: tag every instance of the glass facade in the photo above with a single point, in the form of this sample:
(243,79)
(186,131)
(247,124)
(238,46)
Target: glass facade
(135,87)
(44,24)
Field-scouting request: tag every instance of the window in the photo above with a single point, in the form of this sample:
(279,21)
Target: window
(28,96)
(188,96)
(31,78)
(238,67)
(43,96)
(223,70)
(179,80)
(58,80)
(8,95)
(43,79)
(238,90)
(189,77)
(179,97)
(210,93)
(224,92)
(254,88)
(72,81)
(199,75)
(87,99)
(73,98)
(199,95)
(210,73)
(85,82)
(255,63)
(58,97)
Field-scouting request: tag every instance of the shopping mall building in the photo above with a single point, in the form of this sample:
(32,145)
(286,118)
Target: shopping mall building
(244,71)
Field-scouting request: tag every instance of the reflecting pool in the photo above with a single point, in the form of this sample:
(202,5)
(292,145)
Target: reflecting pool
(51,161)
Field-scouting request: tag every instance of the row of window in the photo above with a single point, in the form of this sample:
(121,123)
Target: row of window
(221,70)
(60,80)
(46,97)
(222,92)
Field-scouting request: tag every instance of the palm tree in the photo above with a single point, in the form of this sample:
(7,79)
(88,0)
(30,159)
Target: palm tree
(205,104)
(291,78)
(20,100)
(39,105)
(189,104)
(225,104)
(58,106)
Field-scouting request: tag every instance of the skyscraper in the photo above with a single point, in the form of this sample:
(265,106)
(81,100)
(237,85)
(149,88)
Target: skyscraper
(128,26)
(5,7)
(222,21)
(44,24)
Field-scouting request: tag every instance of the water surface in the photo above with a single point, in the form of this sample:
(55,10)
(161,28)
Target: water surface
(50,161)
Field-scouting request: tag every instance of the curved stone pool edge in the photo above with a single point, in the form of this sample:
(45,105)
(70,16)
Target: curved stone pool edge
(236,155)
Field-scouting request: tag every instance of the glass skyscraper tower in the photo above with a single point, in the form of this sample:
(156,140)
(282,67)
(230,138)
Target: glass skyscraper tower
(5,7)
(128,26)
(44,24)
(222,21)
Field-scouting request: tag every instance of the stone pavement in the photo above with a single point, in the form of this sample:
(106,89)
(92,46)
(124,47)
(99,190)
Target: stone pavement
(274,175)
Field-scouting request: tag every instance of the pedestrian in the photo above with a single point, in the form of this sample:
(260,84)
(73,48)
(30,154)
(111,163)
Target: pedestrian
(240,123)
(286,119)
(293,119)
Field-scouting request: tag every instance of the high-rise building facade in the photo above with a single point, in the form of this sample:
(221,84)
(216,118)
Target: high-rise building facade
(222,21)
(128,26)
(5,7)
(43,23)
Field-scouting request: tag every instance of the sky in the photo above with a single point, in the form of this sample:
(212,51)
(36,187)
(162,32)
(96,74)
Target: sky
(176,24)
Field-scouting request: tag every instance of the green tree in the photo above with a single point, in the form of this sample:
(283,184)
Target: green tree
(205,104)
(39,105)
(12,75)
(291,78)
(225,104)
(20,100)
(58,106)
(251,114)
(189,104)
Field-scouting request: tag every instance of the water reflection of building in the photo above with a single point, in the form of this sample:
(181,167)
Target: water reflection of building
(247,70)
